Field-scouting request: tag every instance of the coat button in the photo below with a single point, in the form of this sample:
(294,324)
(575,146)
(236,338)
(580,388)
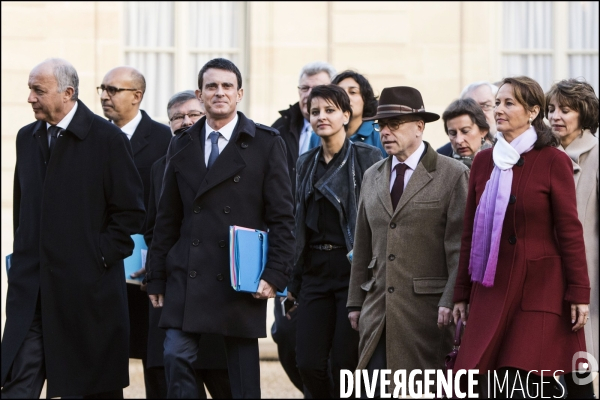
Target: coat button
(227,210)
(512,199)
(192,274)
(196,242)
(512,239)
(236,179)
(244,145)
(391,289)
(393,225)
(219,277)
(222,243)
(197,209)
(520,162)
(391,257)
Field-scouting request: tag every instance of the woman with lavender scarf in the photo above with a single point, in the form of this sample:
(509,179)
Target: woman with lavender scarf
(522,269)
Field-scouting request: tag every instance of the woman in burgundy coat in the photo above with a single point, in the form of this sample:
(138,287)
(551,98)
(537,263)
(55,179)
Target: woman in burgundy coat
(522,267)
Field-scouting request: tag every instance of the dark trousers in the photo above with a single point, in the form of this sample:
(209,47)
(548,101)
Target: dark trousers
(324,334)
(283,332)
(575,391)
(181,350)
(28,372)
(378,362)
(215,380)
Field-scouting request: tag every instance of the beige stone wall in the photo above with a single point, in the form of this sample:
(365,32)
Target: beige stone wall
(436,47)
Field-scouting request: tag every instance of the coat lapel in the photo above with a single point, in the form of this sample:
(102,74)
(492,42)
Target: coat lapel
(420,178)
(41,136)
(140,137)
(189,161)
(383,185)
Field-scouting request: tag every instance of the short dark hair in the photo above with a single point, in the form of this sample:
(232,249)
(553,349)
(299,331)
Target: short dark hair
(467,106)
(220,63)
(366,91)
(178,98)
(529,94)
(333,94)
(579,96)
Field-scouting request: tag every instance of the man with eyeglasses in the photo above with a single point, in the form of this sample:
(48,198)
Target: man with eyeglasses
(484,93)
(295,129)
(183,110)
(407,242)
(121,94)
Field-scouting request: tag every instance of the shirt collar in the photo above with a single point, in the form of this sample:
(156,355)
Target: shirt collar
(413,160)
(225,131)
(130,127)
(64,123)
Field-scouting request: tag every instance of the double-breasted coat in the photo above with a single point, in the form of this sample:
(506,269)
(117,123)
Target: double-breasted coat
(149,142)
(74,212)
(404,262)
(249,186)
(524,320)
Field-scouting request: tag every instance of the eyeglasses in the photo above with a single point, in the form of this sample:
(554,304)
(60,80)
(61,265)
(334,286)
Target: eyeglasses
(194,115)
(304,88)
(393,124)
(486,106)
(111,90)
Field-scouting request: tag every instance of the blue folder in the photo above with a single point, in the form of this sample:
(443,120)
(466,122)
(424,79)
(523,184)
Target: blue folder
(248,257)
(136,260)
(8,260)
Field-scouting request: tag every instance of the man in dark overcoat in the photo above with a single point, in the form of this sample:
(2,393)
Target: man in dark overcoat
(183,110)
(77,200)
(121,93)
(225,170)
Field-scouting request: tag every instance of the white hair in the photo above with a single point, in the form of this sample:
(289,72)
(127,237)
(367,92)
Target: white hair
(65,75)
(472,86)
(316,67)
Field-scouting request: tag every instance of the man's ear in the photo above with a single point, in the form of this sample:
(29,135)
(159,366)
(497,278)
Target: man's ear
(68,93)
(240,95)
(137,97)
(198,93)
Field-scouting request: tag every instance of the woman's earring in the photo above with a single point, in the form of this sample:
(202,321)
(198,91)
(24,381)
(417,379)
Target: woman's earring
(482,141)
(530,120)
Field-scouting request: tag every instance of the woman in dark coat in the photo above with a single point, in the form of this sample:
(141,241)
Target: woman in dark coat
(329,178)
(522,267)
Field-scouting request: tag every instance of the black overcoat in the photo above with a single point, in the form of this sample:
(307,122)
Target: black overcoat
(249,186)
(73,214)
(149,142)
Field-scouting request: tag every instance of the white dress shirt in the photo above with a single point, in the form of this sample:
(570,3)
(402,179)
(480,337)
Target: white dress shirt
(411,162)
(304,139)
(130,127)
(225,135)
(64,123)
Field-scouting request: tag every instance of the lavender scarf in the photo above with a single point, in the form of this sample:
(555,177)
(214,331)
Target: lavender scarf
(489,215)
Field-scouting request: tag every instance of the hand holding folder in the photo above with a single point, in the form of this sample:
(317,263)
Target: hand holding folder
(248,250)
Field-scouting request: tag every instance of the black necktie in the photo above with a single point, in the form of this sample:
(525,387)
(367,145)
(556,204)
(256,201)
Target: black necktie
(214,149)
(398,187)
(53,130)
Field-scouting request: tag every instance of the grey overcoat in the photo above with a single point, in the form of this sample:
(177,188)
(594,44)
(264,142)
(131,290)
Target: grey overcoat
(405,261)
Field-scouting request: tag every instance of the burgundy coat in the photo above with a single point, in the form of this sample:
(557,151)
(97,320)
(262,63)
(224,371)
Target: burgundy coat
(524,320)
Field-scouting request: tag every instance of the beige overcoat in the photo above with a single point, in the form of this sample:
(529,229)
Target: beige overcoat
(583,151)
(405,261)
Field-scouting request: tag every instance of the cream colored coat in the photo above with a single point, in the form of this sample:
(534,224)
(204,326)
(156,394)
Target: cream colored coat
(583,151)
(405,261)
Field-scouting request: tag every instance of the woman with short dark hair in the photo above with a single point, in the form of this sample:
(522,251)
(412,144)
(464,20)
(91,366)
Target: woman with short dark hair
(572,110)
(329,179)
(467,129)
(522,267)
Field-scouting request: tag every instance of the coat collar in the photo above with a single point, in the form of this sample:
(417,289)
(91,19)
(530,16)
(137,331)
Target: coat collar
(419,179)
(582,144)
(296,118)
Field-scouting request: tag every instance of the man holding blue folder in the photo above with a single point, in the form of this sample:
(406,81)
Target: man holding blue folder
(225,170)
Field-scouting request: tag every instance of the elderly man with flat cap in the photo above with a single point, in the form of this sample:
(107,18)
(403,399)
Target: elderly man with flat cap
(407,243)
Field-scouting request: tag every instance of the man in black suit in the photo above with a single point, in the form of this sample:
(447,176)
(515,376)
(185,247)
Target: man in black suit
(77,200)
(183,110)
(225,170)
(121,93)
